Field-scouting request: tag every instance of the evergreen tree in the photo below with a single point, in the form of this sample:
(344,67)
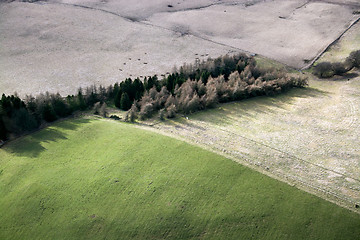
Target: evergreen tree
(60,107)
(48,113)
(3,131)
(118,98)
(23,121)
(139,88)
(81,100)
(125,103)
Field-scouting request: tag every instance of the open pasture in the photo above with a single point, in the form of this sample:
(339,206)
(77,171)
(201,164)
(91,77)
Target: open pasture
(308,137)
(60,45)
(98,179)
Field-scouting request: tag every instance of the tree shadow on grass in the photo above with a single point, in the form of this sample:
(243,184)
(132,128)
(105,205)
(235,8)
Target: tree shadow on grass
(32,145)
(227,113)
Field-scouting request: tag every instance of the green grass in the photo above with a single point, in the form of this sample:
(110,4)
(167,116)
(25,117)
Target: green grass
(341,50)
(94,179)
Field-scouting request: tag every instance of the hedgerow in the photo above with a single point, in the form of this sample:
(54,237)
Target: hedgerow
(191,88)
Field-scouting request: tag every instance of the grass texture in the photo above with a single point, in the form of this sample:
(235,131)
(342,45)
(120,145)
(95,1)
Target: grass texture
(96,179)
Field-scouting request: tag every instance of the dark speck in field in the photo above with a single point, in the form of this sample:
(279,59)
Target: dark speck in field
(120,69)
(93,216)
(129,58)
(124,63)
(170,6)
(139,59)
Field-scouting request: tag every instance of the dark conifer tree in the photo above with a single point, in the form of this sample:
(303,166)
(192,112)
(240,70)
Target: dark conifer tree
(125,103)
(48,113)
(81,100)
(118,98)
(139,88)
(3,131)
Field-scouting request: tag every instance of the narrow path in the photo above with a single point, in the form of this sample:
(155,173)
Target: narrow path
(337,3)
(132,20)
(317,57)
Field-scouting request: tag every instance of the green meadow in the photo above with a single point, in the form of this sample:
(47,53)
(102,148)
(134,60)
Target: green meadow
(98,179)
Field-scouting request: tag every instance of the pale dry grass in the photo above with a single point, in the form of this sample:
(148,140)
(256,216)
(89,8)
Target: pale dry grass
(307,137)
(341,50)
(292,32)
(60,45)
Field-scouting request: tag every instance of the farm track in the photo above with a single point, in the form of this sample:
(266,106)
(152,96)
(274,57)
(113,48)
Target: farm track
(134,20)
(147,23)
(337,3)
(330,45)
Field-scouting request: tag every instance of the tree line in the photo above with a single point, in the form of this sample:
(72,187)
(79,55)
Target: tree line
(243,81)
(19,116)
(328,69)
(190,88)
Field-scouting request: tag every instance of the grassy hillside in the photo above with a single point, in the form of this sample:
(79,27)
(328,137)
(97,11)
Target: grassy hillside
(93,179)
(305,135)
(341,50)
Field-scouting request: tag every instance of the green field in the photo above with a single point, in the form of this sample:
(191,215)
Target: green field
(341,50)
(305,136)
(98,179)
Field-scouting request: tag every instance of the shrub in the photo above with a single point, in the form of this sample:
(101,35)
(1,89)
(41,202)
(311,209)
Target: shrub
(354,58)
(96,108)
(162,114)
(171,111)
(103,110)
(146,110)
(131,115)
(324,70)
(339,68)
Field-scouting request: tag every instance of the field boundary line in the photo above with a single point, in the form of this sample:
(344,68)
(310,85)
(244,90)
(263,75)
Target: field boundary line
(248,161)
(289,154)
(317,57)
(132,20)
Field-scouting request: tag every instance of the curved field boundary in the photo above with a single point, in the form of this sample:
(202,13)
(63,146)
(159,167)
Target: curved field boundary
(133,20)
(331,44)
(276,163)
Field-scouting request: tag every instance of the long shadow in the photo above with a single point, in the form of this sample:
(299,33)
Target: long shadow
(32,144)
(225,113)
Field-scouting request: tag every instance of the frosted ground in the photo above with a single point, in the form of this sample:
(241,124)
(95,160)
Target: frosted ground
(60,45)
